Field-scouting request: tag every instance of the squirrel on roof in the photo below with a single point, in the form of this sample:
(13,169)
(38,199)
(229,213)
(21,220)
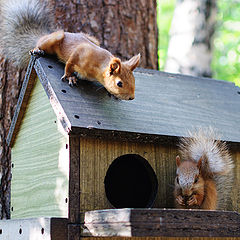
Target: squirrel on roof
(27,26)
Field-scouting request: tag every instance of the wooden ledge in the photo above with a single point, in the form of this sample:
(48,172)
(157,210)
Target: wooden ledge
(160,223)
(34,228)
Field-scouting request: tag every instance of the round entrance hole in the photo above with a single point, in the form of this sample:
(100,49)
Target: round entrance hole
(130,182)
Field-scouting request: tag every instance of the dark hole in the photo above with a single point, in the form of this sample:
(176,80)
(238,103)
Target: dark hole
(0,231)
(64,91)
(49,66)
(42,230)
(66,200)
(130,182)
(12,165)
(20,231)
(238,92)
(66,146)
(98,122)
(76,116)
(11,208)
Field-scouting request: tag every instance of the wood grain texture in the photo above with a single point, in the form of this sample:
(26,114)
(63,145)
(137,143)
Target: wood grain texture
(97,155)
(235,194)
(40,162)
(74,180)
(162,222)
(34,228)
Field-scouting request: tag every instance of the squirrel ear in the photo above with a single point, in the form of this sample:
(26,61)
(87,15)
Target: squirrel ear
(115,66)
(199,164)
(133,62)
(178,161)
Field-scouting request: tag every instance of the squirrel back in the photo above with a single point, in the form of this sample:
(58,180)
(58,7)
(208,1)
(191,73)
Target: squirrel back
(26,26)
(210,159)
(23,23)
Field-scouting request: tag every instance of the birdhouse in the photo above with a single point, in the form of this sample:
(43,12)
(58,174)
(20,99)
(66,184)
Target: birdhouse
(85,164)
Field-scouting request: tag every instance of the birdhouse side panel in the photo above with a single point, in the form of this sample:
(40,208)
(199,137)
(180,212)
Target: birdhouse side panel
(40,162)
(97,155)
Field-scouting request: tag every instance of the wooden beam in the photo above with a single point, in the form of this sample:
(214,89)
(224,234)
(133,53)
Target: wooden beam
(160,223)
(34,228)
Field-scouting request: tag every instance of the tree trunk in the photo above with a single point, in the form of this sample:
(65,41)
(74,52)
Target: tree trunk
(123,27)
(190,46)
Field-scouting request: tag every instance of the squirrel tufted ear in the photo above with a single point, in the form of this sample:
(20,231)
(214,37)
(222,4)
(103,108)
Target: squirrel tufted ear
(178,161)
(133,62)
(115,66)
(199,164)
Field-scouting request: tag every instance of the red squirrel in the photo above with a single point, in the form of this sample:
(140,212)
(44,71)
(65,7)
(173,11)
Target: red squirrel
(204,176)
(27,26)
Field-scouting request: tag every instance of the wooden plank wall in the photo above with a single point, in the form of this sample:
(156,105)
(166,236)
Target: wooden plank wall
(40,162)
(96,156)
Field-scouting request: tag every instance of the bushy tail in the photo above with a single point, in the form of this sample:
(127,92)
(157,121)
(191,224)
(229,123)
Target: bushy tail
(216,160)
(23,22)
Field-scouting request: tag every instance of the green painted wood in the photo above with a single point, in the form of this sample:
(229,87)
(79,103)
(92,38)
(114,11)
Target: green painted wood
(40,162)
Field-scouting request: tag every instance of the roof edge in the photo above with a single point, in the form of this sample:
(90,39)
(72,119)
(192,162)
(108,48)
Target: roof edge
(23,97)
(57,108)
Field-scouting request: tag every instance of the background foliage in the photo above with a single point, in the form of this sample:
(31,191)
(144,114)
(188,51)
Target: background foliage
(226,55)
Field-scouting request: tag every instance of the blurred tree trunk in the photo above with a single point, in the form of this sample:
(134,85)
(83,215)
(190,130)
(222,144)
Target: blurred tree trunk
(190,47)
(123,27)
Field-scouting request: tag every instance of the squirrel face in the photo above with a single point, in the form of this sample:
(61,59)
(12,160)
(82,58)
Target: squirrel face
(188,178)
(119,79)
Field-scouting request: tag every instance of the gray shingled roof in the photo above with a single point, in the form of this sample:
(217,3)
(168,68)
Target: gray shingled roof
(164,105)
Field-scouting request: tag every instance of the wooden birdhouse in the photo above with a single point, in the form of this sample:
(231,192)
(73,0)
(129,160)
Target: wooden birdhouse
(87,165)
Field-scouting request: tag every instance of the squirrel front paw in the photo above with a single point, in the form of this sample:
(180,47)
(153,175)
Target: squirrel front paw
(36,51)
(71,80)
(192,201)
(180,200)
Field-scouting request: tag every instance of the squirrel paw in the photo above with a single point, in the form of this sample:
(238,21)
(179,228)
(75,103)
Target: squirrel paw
(71,80)
(192,201)
(36,51)
(180,200)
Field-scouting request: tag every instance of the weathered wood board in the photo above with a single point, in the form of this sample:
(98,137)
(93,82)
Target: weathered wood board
(34,229)
(40,162)
(160,223)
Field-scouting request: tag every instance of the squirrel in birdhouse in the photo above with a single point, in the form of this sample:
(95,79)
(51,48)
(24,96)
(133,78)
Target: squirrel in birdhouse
(204,177)
(27,26)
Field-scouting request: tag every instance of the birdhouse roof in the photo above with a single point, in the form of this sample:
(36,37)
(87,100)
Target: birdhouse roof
(165,105)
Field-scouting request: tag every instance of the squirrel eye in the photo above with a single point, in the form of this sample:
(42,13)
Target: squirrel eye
(196,180)
(119,83)
(177,180)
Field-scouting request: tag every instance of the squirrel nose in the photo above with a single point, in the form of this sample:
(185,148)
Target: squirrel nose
(187,192)
(130,98)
